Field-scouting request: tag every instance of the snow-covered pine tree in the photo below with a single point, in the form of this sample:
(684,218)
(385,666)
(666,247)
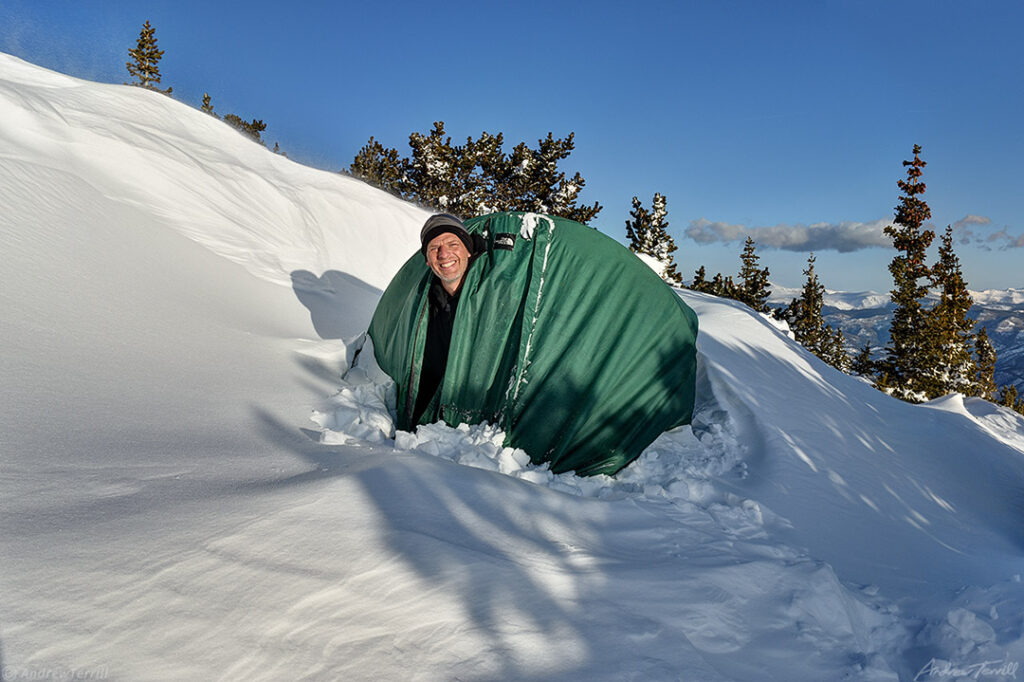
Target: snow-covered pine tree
(442,175)
(207,106)
(903,370)
(647,232)
(985,361)
(431,169)
(530,180)
(754,287)
(145,64)
(950,339)
(478,177)
(550,190)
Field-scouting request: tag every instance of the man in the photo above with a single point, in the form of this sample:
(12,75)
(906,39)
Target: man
(449,250)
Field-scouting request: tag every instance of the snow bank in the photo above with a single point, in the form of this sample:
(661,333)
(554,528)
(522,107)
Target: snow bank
(177,299)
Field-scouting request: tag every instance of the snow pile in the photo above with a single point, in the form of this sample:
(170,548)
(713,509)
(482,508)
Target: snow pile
(177,299)
(678,466)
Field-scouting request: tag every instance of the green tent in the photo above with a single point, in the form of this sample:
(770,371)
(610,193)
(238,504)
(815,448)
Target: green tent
(564,338)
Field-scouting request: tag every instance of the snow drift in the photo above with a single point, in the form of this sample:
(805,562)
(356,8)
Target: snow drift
(177,300)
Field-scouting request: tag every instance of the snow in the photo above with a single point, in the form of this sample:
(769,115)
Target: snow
(995,298)
(530,223)
(200,477)
(840,300)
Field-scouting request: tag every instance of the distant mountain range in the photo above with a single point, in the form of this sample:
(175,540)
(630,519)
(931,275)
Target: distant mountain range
(865,316)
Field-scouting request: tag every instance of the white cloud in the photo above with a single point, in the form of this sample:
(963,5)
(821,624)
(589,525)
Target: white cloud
(843,237)
(971,219)
(1015,242)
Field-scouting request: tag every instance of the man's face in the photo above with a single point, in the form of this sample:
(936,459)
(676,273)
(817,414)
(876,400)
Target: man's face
(448,257)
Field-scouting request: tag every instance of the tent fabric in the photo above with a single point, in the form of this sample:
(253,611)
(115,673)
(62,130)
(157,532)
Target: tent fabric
(562,337)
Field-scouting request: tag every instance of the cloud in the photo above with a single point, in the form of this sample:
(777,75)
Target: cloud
(1002,239)
(1001,234)
(1015,243)
(843,237)
(971,219)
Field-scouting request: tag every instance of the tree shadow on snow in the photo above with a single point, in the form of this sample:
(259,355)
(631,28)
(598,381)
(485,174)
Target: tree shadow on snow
(872,464)
(533,571)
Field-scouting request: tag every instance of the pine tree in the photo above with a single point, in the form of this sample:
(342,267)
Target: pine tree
(905,363)
(146,58)
(719,287)
(438,174)
(754,286)
(380,166)
(700,281)
(808,324)
(804,313)
(251,128)
(478,177)
(207,107)
(835,352)
(1008,397)
(950,367)
(863,365)
(726,288)
(648,234)
(985,361)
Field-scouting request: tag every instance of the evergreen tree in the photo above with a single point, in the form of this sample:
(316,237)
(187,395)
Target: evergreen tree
(718,286)
(144,67)
(1008,397)
(439,174)
(648,234)
(863,365)
(700,281)
(478,177)
(753,289)
(207,107)
(547,188)
(724,287)
(835,351)
(985,361)
(808,324)
(804,314)
(949,366)
(380,166)
(251,128)
(906,360)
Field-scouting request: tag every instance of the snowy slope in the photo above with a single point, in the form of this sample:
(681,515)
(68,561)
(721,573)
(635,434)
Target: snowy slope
(177,301)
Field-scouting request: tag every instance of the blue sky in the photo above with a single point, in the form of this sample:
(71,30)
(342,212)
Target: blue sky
(757,118)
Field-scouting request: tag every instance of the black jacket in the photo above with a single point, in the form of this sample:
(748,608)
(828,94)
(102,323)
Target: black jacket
(442,307)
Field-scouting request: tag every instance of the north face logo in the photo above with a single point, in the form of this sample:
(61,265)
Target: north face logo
(505,240)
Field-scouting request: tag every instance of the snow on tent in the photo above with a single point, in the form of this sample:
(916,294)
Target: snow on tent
(562,337)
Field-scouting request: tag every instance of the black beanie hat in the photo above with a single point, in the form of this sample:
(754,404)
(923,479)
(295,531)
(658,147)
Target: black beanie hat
(441,223)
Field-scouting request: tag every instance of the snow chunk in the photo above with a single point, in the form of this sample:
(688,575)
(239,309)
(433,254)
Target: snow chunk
(530,223)
(364,407)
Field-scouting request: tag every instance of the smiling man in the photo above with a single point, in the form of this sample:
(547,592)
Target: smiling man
(449,249)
